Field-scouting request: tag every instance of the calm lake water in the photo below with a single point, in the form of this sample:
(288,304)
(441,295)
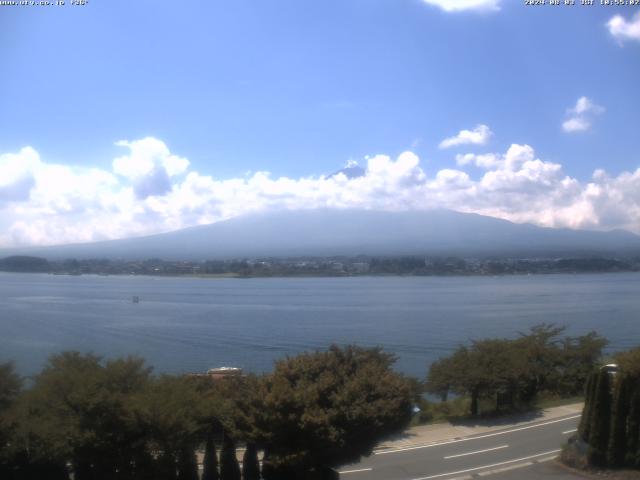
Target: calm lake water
(191,324)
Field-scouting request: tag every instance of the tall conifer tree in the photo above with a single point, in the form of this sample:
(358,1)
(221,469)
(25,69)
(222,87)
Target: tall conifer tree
(187,465)
(589,394)
(633,430)
(210,463)
(250,464)
(619,413)
(229,467)
(600,422)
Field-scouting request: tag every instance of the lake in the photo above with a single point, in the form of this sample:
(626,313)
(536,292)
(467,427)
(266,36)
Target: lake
(191,324)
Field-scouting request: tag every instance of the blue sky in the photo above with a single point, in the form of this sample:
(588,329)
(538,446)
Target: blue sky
(300,88)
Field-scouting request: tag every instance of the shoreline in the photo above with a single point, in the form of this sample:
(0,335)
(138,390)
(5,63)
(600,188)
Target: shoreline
(217,276)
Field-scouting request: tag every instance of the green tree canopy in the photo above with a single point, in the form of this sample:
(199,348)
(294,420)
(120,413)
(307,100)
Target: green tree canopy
(510,370)
(78,411)
(10,385)
(330,408)
(629,361)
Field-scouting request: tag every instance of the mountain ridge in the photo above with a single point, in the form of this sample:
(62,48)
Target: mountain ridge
(334,232)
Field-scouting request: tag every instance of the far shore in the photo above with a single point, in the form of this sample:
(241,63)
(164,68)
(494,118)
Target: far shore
(217,276)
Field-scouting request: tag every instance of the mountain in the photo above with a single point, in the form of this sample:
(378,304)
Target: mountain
(351,232)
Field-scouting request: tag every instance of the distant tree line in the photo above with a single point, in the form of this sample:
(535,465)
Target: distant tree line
(513,372)
(610,423)
(93,419)
(24,263)
(322,266)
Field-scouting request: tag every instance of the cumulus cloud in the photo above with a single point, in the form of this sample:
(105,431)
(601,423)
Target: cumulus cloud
(461,5)
(486,161)
(480,135)
(576,124)
(149,165)
(622,29)
(580,117)
(16,174)
(150,190)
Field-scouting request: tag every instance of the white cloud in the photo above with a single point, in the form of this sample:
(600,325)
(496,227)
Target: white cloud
(580,117)
(149,165)
(576,124)
(16,174)
(585,106)
(62,204)
(485,161)
(622,29)
(460,5)
(480,135)
(145,155)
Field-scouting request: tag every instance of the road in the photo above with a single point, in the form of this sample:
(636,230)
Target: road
(468,457)
(545,470)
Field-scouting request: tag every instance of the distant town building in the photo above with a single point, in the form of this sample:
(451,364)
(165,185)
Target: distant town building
(219,373)
(360,267)
(337,267)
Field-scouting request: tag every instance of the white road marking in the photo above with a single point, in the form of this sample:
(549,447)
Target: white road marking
(488,466)
(405,449)
(546,459)
(504,469)
(355,471)
(515,466)
(477,451)
(570,431)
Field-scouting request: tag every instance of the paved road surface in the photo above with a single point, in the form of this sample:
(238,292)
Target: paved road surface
(470,457)
(545,470)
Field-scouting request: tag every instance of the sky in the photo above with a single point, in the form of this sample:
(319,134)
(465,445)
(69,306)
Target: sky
(122,118)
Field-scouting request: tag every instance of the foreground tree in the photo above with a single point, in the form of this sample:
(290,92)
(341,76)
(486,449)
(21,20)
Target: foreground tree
(108,420)
(584,428)
(629,362)
(512,371)
(600,420)
(187,465)
(326,409)
(618,428)
(577,359)
(538,354)
(444,375)
(10,387)
(173,415)
(250,464)
(77,413)
(610,422)
(229,467)
(632,454)
(210,462)
(486,369)
(458,373)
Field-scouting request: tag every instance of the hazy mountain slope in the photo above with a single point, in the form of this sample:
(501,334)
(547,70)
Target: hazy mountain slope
(351,232)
